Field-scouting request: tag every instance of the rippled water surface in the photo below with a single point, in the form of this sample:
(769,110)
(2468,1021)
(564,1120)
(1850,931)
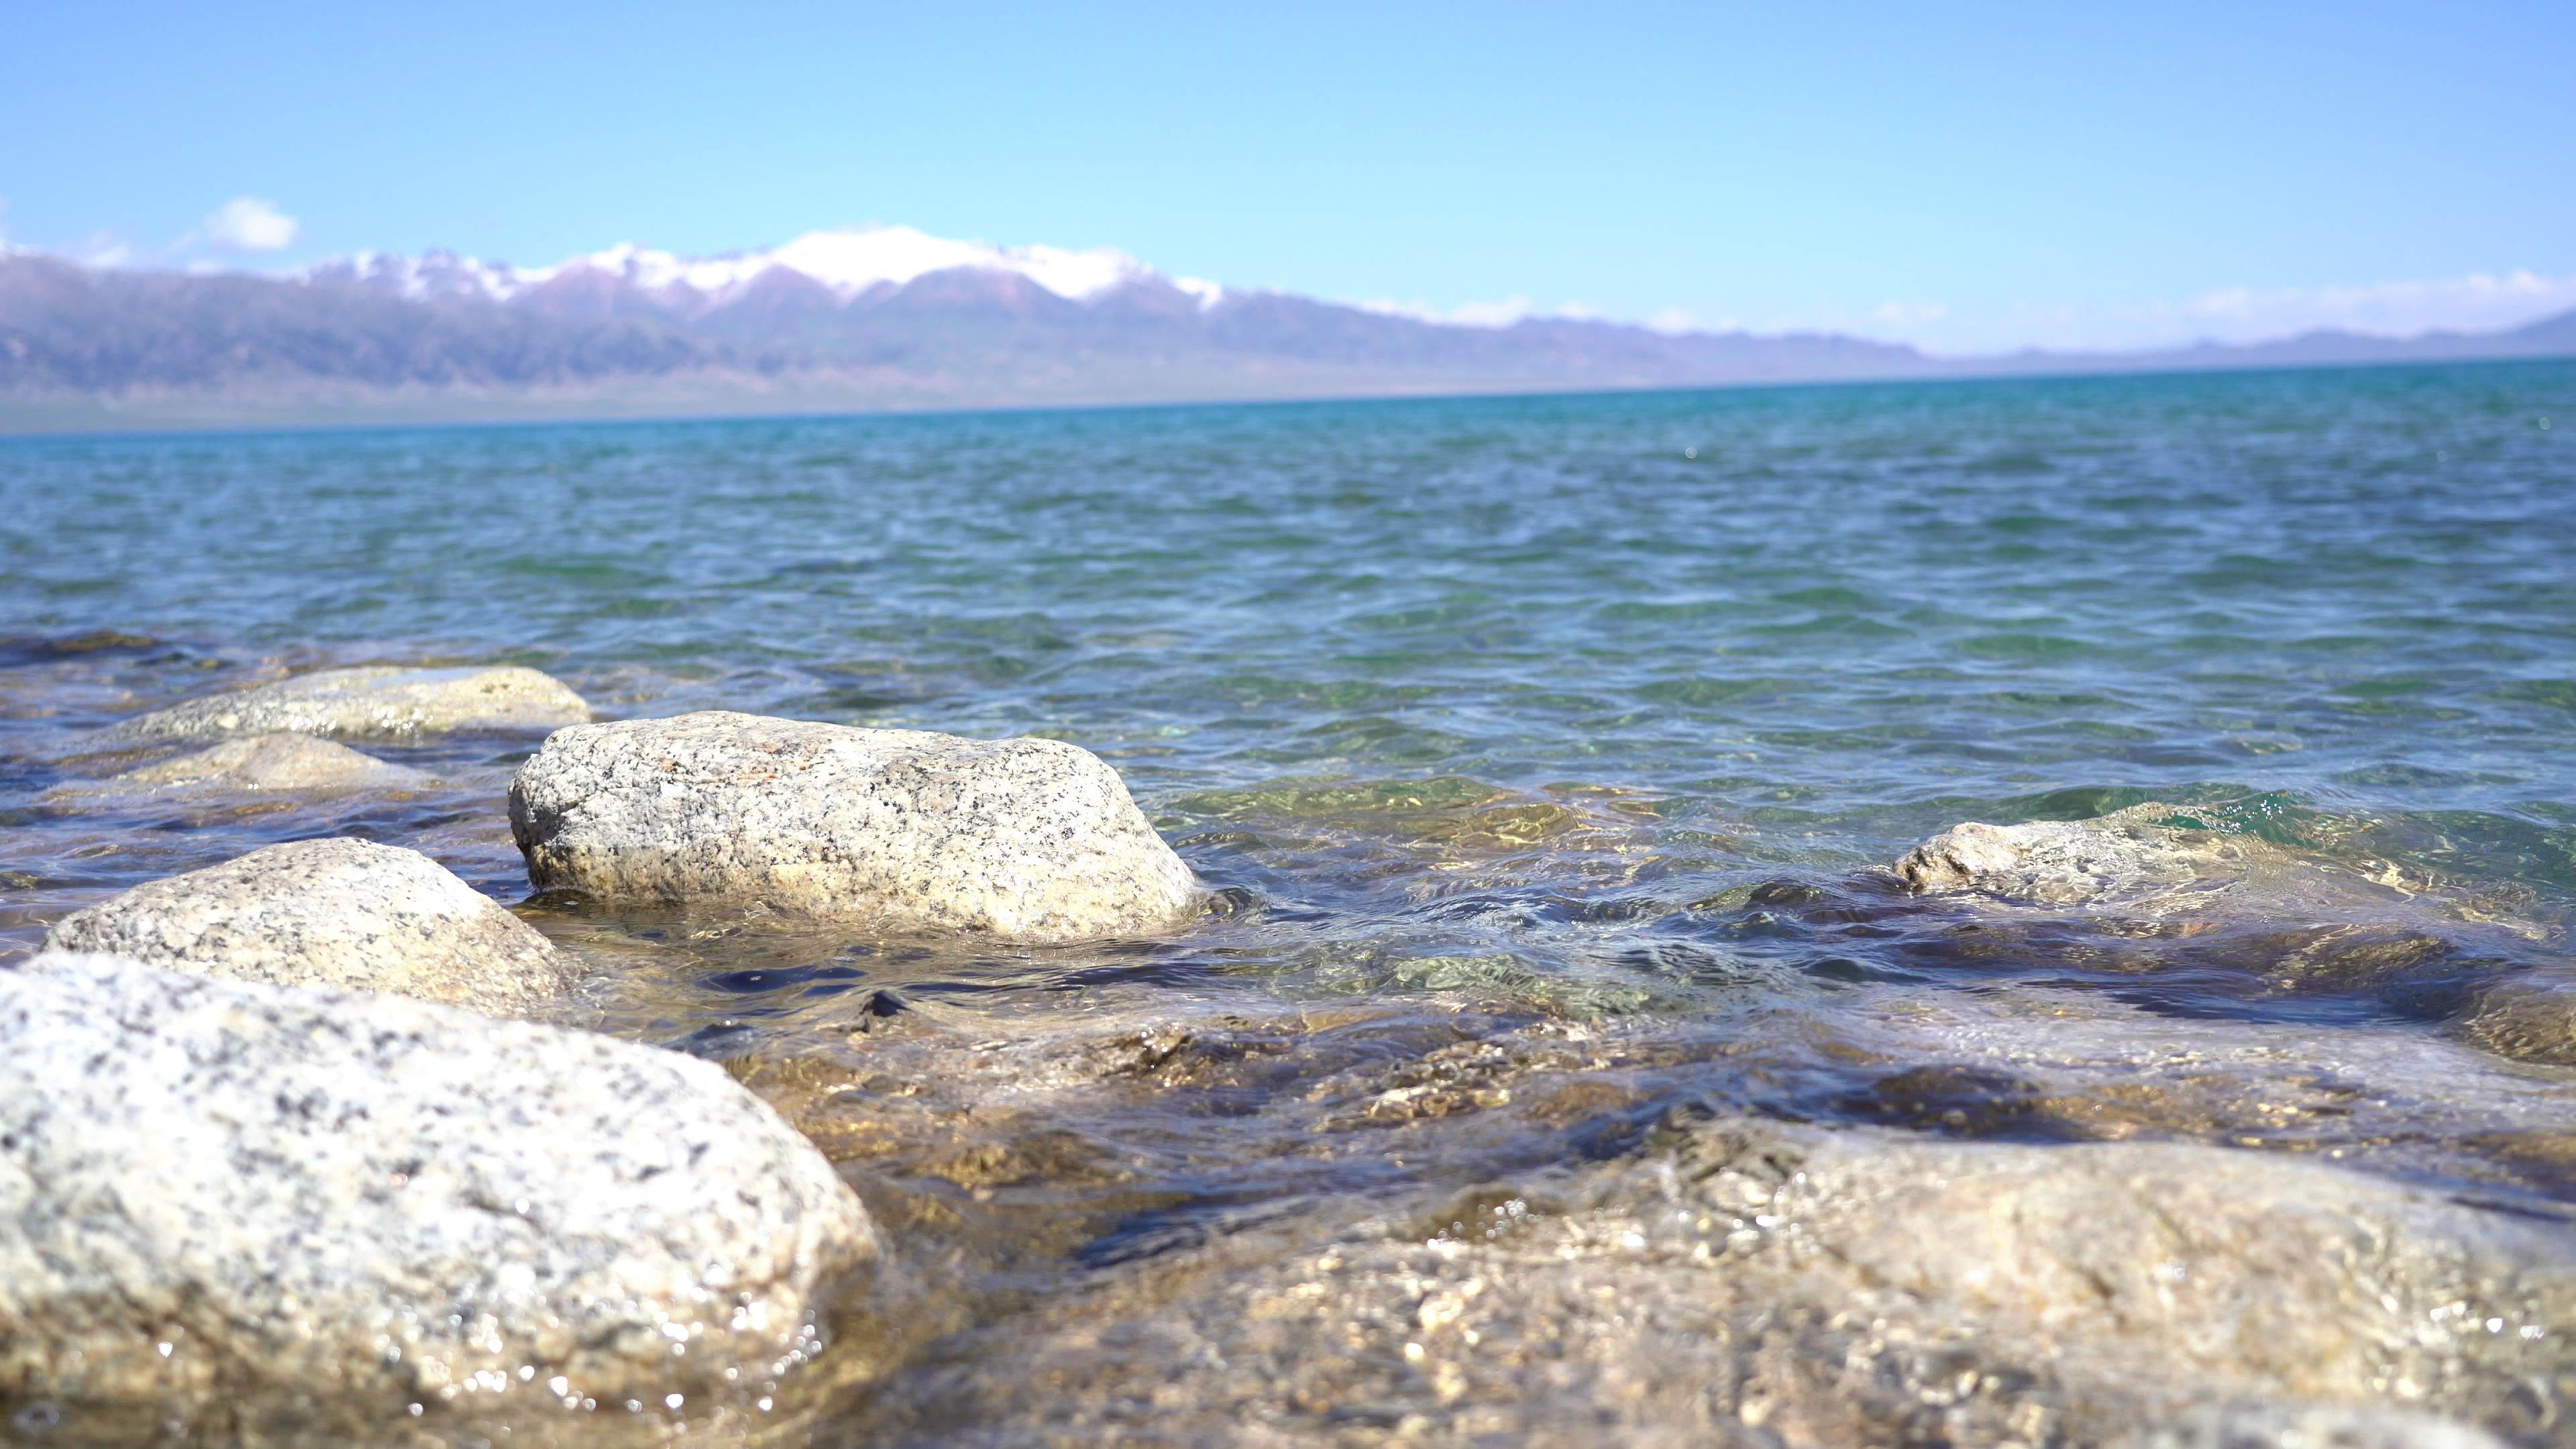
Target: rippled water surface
(1542,756)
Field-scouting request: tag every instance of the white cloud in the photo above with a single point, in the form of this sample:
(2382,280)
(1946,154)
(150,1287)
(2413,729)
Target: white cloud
(251,224)
(1480,314)
(1683,319)
(2475,302)
(102,249)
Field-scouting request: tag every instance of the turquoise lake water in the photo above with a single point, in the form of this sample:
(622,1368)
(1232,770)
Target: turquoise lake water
(1594,706)
(1804,625)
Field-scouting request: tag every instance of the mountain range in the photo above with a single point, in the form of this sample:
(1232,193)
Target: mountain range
(884,318)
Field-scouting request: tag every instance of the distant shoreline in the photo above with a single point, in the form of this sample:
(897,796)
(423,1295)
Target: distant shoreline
(32,419)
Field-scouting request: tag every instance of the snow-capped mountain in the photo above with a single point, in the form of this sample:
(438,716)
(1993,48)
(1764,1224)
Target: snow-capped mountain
(848,263)
(887,317)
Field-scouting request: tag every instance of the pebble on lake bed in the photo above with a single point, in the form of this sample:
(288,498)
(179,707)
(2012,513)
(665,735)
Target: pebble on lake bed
(371,702)
(1030,838)
(346,913)
(216,1190)
(273,762)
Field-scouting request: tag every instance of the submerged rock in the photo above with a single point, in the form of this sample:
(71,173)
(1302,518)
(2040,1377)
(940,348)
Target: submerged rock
(371,702)
(216,1190)
(2278,1277)
(274,762)
(1759,1284)
(2275,1426)
(346,913)
(2532,1019)
(2160,887)
(1027,837)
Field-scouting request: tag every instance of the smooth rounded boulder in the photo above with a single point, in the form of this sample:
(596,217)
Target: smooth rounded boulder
(1744,1282)
(273,762)
(217,1189)
(345,913)
(1028,838)
(371,702)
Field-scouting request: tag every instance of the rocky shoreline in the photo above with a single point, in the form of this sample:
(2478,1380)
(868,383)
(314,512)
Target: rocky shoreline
(307,1143)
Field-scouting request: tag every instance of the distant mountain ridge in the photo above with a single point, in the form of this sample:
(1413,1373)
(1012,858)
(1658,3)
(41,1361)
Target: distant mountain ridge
(883,318)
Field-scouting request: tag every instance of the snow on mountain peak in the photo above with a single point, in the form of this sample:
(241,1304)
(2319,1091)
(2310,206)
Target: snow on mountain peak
(847,261)
(434,274)
(851,262)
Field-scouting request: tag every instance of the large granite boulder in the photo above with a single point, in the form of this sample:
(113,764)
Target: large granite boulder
(1753,1283)
(371,702)
(216,1191)
(1028,837)
(346,913)
(2275,1276)
(289,762)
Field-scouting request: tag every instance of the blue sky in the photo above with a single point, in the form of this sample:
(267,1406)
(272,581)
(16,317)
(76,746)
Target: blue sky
(1966,176)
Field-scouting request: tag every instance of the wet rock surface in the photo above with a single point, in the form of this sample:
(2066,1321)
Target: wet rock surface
(2187,903)
(272,762)
(1026,838)
(332,1206)
(2130,856)
(2155,859)
(1743,1282)
(2256,1426)
(2531,1019)
(350,914)
(1184,1223)
(371,702)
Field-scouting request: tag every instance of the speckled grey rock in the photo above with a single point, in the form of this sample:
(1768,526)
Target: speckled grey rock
(274,762)
(213,1188)
(2074,862)
(1028,837)
(1748,1283)
(371,702)
(2160,884)
(2269,1274)
(2166,861)
(2272,1426)
(346,913)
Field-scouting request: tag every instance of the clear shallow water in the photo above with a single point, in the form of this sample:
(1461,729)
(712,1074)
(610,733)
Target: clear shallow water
(1497,725)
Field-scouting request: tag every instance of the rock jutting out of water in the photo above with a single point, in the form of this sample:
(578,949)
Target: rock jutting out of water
(2052,861)
(345,913)
(2179,861)
(2156,886)
(371,702)
(1029,838)
(218,1191)
(283,761)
